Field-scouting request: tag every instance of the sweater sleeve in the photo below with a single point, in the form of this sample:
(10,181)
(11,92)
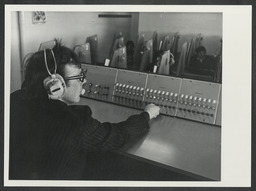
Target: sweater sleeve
(106,136)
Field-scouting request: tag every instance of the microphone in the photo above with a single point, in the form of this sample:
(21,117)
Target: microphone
(83,91)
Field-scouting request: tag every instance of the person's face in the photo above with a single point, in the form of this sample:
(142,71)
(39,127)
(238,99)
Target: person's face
(129,47)
(201,54)
(74,86)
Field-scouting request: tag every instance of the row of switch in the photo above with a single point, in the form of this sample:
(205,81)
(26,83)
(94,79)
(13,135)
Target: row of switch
(166,96)
(197,101)
(154,95)
(129,90)
(161,95)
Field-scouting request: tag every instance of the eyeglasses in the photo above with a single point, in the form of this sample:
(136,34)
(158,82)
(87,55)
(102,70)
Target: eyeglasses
(80,77)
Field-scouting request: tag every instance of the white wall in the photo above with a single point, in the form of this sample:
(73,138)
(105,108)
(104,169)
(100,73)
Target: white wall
(187,24)
(15,54)
(73,28)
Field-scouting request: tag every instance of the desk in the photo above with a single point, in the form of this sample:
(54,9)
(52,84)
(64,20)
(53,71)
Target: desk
(186,146)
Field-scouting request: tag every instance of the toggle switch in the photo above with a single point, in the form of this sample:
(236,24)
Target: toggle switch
(209,103)
(127,89)
(151,94)
(190,100)
(123,88)
(138,91)
(195,101)
(163,96)
(167,96)
(134,90)
(171,96)
(214,102)
(141,92)
(175,98)
(116,87)
(204,103)
(186,99)
(120,88)
(130,90)
(158,94)
(154,94)
(182,96)
(199,102)
(147,93)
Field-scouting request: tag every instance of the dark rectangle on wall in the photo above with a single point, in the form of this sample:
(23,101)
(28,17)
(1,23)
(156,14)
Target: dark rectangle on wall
(114,16)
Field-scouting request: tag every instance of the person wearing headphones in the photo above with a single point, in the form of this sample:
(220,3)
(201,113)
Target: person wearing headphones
(49,135)
(201,63)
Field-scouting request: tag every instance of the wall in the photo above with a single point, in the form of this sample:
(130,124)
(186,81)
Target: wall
(15,52)
(73,28)
(187,24)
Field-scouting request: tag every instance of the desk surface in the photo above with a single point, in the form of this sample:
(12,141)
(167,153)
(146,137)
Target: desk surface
(177,143)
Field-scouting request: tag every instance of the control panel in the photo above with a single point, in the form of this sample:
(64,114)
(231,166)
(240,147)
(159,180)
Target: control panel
(198,100)
(164,92)
(189,99)
(100,82)
(130,88)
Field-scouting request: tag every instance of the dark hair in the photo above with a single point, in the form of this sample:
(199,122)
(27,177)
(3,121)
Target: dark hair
(129,42)
(201,49)
(36,71)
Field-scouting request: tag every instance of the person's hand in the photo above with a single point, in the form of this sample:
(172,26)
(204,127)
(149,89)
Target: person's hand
(152,110)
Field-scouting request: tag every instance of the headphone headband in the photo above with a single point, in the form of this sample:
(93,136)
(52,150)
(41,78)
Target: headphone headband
(46,64)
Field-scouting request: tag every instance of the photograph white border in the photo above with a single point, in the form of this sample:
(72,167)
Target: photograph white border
(236,94)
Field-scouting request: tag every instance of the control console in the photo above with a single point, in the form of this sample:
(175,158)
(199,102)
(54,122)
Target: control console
(185,98)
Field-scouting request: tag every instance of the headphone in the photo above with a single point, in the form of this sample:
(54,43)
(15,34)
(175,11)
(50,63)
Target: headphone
(54,83)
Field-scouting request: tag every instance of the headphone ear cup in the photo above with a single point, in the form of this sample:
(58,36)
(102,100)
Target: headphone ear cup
(55,86)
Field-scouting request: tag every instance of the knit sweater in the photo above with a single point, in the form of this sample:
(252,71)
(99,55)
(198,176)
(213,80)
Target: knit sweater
(50,140)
